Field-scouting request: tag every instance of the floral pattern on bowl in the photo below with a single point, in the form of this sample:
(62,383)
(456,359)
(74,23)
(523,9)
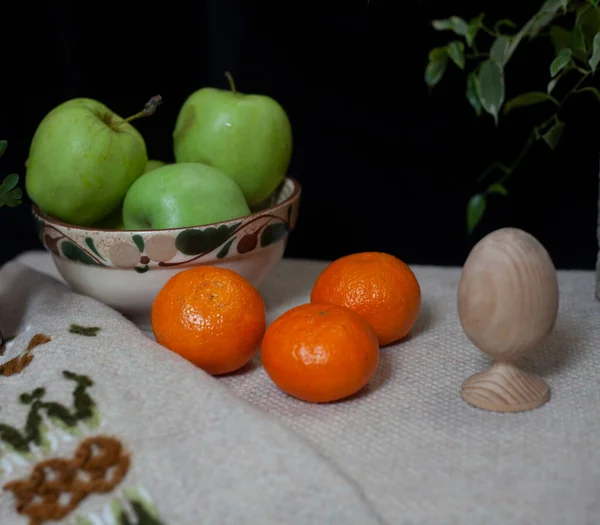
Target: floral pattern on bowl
(145,250)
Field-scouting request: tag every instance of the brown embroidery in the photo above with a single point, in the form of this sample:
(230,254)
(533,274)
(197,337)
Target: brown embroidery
(17,364)
(57,486)
(37,340)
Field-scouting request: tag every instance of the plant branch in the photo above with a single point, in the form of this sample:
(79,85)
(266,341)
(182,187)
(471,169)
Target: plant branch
(476,55)
(489,31)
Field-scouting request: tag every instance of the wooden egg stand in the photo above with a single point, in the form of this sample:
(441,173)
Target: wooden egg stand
(507,306)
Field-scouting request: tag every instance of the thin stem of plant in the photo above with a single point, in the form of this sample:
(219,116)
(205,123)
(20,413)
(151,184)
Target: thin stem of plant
(149,109)
(535,135)
(489,31)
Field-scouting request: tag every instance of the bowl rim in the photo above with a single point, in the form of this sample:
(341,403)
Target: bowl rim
(296,191)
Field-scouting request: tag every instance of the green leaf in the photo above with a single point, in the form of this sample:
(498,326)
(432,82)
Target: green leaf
(225,250)
(490,86)
(3,146)
(201,241)
(528,99)
(544,16)
(499,50)
(454,23)
(560,38)
(579,39)
(9,194)
(75,253)
(475,211)
(553,135)
(456,52)
(588,23)
(273,233)
(475,25)
(591,89)
(504,22)
(498,188)
(595,58)
(438,61)
(142,269)
(472,95)
(9,183)
(552,84)
(561,60)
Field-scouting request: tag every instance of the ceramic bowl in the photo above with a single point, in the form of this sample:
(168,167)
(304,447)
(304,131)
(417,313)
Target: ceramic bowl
(125,269)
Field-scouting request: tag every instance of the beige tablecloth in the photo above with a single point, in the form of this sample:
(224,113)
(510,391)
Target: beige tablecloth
(406,451)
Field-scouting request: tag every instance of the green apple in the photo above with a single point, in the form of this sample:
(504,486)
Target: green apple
(113,221)
(180,195)
(246,136)
(152,164)
(82,159)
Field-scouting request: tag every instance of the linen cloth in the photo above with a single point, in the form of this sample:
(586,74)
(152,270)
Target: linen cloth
(407,450)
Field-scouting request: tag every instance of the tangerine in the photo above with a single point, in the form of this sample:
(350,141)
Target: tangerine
(320,353)
(378,286)
(211,316)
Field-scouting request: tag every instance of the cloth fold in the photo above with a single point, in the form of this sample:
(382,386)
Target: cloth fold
(197,452)
(407,450)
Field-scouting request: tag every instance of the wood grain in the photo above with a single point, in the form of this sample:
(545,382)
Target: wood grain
(507,306)
(505,388)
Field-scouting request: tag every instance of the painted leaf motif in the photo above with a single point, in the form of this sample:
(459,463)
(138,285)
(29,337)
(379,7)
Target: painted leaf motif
(475,210)
(90,244)
(248,242)
(225,250)
(139,242)
(74,253)
(273,233)
(196,241)
(490,86)
(3,146)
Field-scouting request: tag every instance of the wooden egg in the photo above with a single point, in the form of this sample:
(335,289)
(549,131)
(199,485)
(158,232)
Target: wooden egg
(507,307)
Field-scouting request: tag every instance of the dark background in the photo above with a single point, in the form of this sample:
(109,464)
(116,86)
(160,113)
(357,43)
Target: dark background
(384,164)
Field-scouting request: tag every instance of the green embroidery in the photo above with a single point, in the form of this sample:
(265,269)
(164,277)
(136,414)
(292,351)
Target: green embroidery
(84,409)
(132,507)
(89,331)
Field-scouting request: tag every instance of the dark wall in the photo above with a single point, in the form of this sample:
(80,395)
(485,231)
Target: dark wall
(384,164)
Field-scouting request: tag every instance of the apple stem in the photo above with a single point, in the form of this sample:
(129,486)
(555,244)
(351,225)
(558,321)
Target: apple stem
(231,82)
(149,109)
